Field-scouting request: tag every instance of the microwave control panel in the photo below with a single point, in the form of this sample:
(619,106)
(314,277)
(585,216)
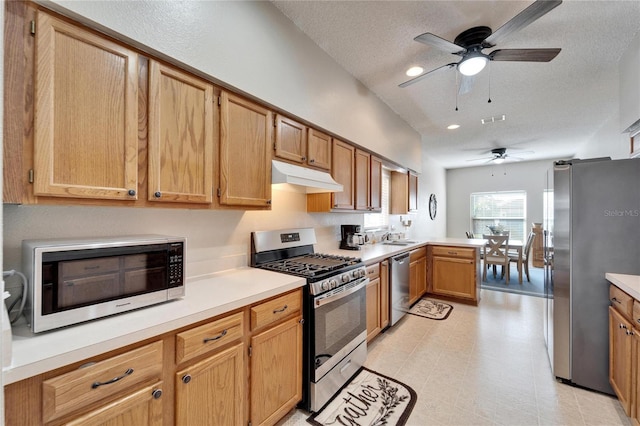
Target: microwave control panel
(176,268)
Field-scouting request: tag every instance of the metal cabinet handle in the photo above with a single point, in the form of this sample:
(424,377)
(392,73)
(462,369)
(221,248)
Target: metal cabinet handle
(629,332)
(157,194)
(132,192)
(186,378)
(156,393)
(622,326)
(313,160)
(219,336)
(613,299)
(115,379)
(304,158)
(277,311)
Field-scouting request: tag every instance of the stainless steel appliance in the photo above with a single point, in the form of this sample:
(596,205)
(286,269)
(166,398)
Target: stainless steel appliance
(399,272)
(350,237)
(592,226)
(73,281)
(334,310)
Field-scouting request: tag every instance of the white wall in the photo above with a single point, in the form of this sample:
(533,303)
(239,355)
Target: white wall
(529,176)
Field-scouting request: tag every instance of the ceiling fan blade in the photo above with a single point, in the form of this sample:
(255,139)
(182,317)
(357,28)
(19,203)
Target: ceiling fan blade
(440,43)
(426,74)
(524,55)
(521,20)
(483,158)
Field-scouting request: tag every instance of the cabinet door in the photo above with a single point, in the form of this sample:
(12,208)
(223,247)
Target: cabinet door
(143,407)
(343,171)
(319,150)
(180,136)
(276,371)
(413,282)
(375,185)
(454,277)
(421,272)
(86,116)
(413,192)
(373,308)
(620,350)
(291,140)
(384,294)
(245,152)
(635,371)
(212,391)
(362,180)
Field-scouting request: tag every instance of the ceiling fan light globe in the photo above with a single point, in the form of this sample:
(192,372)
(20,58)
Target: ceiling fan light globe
(472,65)
(499,160)
(414,71)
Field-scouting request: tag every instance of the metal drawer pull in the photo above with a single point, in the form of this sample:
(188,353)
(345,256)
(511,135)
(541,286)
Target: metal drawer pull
(156,393)
(209,339)
(345,366)
(277,311)
(115,379)
(613,299)
(453,253)
(622,326)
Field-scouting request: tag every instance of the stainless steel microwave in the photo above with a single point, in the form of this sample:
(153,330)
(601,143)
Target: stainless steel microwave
(72,281)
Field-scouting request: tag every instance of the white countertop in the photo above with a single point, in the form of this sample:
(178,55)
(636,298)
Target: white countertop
(205,298)
(630,284)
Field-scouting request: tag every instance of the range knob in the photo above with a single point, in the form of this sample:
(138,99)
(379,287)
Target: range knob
(325,285)
(355,274)
(333,283)
(345,278)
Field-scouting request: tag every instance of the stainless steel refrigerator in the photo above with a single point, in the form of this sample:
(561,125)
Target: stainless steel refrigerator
(592,226)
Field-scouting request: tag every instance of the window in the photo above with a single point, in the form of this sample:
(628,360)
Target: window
(499,208)
(380,220)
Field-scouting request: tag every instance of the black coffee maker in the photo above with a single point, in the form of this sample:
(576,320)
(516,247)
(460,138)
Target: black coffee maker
(350,235)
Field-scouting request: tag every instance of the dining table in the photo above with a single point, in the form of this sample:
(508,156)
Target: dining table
(514,246)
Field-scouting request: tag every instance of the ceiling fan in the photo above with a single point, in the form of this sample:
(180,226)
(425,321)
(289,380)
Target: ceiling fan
(470,43)
(499,156)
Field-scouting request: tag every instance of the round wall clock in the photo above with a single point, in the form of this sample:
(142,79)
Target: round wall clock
(433,206)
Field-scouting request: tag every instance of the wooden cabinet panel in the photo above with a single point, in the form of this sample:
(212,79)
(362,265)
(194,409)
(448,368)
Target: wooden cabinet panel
(291,139)
(77,389)
(620,351)
(342,170)
(384,294)
(621,301)
(319,149)
(143,407)
(212,391)
(362,180)
(404,192)
(86,116)
(276,309)
(245,152)
(208,337)
(413,192)
(276,371)
(454,277)
(180,136)
(375,185)
(373,308)
(417,274)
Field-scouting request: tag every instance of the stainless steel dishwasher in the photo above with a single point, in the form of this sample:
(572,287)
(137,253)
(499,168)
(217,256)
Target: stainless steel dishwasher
(399,266)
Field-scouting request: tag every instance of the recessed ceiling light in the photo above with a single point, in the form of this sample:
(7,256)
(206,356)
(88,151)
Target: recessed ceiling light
(493,119)
(453,126)
(414,71)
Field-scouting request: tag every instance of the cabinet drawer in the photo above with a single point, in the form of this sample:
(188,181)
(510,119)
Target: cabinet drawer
(466,253)
(273,310)
(207,337)
(72,391)
(417,254)
(373,271)
(621,301)
(636,314)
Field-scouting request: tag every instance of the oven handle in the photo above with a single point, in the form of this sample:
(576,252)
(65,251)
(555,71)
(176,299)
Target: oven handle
(321,301)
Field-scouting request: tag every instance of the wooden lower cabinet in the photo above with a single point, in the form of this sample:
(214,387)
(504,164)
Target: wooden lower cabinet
(455,273)
(198,375)
(620,357)
(143,407)
(377,298)
(417,274)
(212,391)
(276,371)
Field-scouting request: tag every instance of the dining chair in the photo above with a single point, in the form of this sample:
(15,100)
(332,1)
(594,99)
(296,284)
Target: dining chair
(470,234)
(496,253)
(513,256)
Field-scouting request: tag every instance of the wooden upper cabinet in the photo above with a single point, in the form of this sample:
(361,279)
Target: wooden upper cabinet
(180,136)
(291,139)
(86,117)
(362,180)
(245,152)
(404,192)
(343,171)
(375,185)
(319,149)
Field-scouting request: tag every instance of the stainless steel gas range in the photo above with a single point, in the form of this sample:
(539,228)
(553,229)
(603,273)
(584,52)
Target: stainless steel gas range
(334,310)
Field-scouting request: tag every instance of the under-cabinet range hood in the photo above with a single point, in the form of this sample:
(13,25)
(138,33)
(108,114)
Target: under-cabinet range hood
(303,179)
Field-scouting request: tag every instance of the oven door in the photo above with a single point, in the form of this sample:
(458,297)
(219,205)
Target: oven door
(339,324)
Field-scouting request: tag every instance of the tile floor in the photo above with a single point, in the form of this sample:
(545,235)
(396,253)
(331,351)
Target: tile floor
(484,365)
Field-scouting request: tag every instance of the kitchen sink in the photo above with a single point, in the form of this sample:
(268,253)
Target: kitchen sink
(399,242)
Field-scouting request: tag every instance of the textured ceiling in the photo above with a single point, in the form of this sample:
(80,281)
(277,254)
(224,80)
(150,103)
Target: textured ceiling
(551,108)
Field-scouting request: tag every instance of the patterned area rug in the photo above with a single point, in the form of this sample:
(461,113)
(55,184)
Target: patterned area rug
(368,399)
(432,309)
